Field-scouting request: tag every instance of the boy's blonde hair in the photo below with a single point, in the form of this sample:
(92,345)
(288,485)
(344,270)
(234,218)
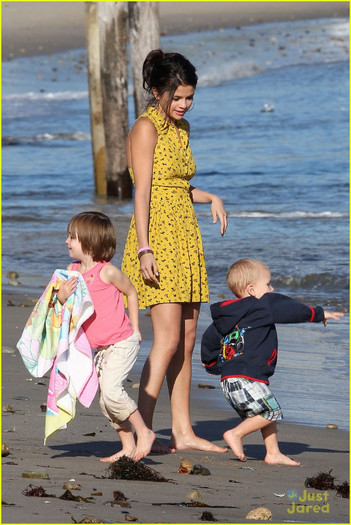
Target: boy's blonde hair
(96,233)
(244,272)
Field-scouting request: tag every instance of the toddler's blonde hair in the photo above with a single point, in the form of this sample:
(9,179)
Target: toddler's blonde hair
(244,272)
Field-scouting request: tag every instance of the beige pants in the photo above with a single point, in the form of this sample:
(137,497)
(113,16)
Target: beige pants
(113,365)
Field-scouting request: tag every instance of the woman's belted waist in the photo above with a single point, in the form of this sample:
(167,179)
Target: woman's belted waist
(173,186)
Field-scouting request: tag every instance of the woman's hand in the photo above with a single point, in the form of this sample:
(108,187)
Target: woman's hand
(218,212)
(67,288)
(217,206)
(148,268)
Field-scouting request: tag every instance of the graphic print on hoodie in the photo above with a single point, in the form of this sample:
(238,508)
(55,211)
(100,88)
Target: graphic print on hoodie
(232,344)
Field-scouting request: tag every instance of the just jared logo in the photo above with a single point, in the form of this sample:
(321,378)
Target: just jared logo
(308,502)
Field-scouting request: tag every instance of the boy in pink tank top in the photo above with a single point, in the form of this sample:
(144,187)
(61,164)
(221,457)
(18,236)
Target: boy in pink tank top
(91,240)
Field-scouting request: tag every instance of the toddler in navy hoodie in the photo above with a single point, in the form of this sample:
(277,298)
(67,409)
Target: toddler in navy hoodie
(241,345)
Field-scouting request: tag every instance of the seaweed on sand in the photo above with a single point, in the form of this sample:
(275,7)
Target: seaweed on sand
(343,490)
(325,481)
(126,468)
(38,492)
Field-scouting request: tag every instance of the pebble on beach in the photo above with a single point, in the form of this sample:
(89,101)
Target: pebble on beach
(8,408)
(35,474)
(261,513)
(199,470)
(185,467)
(71,485)
(5,451)
(12,275)
(331,426)
(207,516)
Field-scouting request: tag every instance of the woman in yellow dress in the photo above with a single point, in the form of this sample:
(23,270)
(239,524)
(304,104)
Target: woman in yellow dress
(164,256)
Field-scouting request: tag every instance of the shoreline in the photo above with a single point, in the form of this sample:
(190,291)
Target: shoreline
(43,28)
(232,489)
(17,306)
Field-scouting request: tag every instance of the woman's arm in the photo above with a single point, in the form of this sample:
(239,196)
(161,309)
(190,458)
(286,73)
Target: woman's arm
(141,144)
(217,206)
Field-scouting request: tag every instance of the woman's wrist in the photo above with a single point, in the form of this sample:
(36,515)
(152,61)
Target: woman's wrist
(144,251)
(144,248)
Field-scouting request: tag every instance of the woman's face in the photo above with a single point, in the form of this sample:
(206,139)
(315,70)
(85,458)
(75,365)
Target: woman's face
(179,104)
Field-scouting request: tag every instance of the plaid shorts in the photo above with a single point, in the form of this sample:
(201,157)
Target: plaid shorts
(251,398)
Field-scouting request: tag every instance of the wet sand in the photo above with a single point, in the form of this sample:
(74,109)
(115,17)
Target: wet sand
(37,28)
(232,489)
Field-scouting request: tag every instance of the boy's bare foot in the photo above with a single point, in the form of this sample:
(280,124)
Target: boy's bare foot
(193,442)
(235,443)
(280,459)
(144,444)
(124,452)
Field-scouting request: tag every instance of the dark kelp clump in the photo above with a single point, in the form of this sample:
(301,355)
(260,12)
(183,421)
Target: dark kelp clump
(343,490)
(325,481)
(126,468)
(119,496)
(68,496)
(37,492)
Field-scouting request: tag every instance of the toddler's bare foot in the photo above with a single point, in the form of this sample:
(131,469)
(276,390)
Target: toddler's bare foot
(193,442)
(144,444)
(235,443)
(280,459)
(124,452)
(160,448)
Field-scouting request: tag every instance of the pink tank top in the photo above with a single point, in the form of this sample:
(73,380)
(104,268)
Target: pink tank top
(109,322)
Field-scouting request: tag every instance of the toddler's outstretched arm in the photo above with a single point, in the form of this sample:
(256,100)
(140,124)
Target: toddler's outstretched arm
(332,315)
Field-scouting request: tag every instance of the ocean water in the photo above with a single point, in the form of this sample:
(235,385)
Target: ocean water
(269,133)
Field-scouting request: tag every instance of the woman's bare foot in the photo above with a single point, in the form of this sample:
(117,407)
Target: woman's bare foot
(115,457)
(280,459)
(193,442)
(235,443)
(144,444)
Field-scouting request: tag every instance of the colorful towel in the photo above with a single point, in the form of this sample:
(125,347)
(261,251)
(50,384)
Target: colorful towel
(54,338)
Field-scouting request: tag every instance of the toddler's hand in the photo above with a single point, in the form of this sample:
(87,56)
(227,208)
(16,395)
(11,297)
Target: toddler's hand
(67,288)
(139,335)
(332,315)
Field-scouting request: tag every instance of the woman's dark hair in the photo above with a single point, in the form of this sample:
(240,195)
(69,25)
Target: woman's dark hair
(165,72)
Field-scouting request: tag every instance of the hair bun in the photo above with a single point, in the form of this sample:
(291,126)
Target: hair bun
(164,72)
(154,58)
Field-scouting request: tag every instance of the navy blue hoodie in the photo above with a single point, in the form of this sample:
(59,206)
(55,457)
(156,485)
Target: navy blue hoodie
(242,340)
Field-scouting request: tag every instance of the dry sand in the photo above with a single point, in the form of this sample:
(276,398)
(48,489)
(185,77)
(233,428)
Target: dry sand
(35,28)
(232,489)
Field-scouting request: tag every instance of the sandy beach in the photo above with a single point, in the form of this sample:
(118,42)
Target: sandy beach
(37,28)
(233,488)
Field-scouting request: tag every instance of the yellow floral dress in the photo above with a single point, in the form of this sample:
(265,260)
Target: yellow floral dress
(174,234)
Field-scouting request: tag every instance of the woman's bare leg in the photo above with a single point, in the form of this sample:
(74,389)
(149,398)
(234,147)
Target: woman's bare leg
(179,382)
(166,322)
